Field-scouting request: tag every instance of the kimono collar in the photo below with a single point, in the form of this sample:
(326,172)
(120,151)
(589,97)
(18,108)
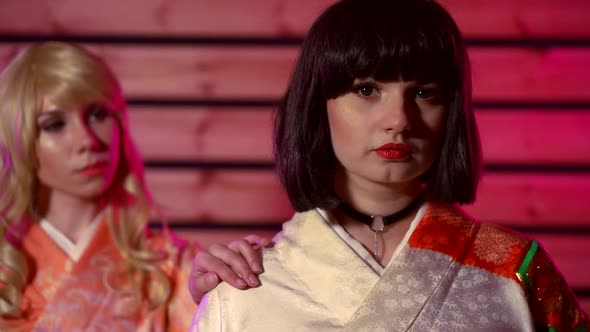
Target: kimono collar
(311,250)
(74,250)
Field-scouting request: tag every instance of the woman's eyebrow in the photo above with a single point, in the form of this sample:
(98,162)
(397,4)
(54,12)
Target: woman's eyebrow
(49,113)
(365,79)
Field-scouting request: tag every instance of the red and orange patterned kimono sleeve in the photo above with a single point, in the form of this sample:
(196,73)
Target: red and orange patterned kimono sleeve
(552,303)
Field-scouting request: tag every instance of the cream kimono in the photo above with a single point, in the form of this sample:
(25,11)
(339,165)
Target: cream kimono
(81,294)
(451,274)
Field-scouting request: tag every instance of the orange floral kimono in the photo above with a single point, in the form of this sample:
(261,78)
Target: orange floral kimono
(79,296)
(450,273)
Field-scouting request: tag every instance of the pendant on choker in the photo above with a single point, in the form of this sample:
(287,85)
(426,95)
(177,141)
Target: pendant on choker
(377,224)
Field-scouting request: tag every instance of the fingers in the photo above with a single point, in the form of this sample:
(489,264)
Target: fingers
(258,241)
(238,264)
(198,285)
(249,249)
(236,258)
(205,264)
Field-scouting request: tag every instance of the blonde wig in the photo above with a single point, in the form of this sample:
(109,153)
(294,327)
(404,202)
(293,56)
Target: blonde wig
(68,76)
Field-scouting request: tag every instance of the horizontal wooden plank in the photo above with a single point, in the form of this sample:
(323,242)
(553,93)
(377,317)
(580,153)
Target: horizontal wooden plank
(534,200)
(256,72)
(229,134)
(509,136)
(530,74)
(209,196)
(274,18)
(256,197)
(199,17)
(535,136)
(521,19)
(185,72)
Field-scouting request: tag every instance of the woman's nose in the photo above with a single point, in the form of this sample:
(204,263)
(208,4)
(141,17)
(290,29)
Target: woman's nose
(84,137)
(395,110)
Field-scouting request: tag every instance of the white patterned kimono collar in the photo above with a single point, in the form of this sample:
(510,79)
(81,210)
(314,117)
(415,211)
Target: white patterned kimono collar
(73,250)
(324,263)
(362,252)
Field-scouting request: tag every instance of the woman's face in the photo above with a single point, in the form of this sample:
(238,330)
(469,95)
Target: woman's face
(386,132)
(77,150)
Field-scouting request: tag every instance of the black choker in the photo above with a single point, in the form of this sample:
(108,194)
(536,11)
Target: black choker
(387,220)
(371,221)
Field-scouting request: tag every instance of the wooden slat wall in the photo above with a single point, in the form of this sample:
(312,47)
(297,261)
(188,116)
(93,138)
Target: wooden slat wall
(477,18)
(256,72)
(238,134)
(202,76)
(516,199)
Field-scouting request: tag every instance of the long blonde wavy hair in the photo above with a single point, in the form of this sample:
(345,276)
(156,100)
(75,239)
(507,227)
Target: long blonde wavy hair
(68,75)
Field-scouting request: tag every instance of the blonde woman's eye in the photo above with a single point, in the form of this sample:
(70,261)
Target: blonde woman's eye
(53,126)
(98,114)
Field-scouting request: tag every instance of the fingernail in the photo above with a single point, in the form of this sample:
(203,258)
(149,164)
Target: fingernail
(253,280)
(257,268)
(240,283)
(212,278)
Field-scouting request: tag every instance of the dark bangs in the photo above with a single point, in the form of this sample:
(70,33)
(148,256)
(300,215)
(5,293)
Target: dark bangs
(388,40)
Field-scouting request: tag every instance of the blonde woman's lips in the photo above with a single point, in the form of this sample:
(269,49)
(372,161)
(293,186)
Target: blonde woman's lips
(94,169)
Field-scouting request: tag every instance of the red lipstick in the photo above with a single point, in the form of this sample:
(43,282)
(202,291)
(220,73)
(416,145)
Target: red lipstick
(95,169)
(393,151)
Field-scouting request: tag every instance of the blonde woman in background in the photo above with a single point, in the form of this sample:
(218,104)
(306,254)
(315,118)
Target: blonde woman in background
(75,250)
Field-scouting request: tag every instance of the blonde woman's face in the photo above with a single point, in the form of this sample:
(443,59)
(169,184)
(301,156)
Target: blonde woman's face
(77,150)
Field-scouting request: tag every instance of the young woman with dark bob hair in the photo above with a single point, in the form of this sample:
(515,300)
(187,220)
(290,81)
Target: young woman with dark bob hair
(377,145)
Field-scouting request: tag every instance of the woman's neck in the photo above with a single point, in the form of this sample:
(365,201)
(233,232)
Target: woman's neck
(71,215)
(377,199)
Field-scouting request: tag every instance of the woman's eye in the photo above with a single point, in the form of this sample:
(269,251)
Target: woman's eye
(430,94)
(97,114)
(365,90)
(53,126)
(425,93)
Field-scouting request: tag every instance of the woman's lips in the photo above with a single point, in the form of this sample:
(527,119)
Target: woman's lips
(95,169)
(393,151)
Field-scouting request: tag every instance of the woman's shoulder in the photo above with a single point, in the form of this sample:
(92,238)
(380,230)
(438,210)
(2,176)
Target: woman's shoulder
(484,233)
(491,247)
